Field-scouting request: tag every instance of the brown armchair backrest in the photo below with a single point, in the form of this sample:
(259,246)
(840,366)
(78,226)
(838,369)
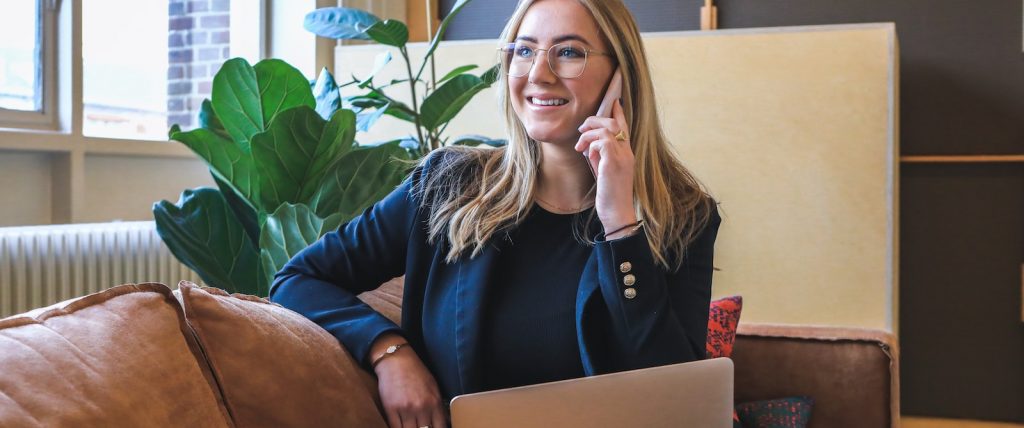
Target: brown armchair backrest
(852,374)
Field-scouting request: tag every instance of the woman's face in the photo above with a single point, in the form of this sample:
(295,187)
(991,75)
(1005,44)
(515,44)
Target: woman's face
(548,22)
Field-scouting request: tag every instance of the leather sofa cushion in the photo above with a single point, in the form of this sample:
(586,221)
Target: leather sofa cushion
(120,357)
(275,367)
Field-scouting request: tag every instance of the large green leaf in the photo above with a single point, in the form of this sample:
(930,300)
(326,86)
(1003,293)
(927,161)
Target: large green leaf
(227,160)
(236,101)
(443,104)
(339,23)
(295,153)
(244,211)
(287,231)
(389,32)
(361,178)
(327,95)
(281,87)
(246,99)
(491,75)
(202,232)
(395,109)
(208,119)
(366,120)
(379,62)
(457,71)
(440,33)
(398,109)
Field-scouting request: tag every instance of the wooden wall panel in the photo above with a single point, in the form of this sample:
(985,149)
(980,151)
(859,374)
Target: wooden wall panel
(962,339)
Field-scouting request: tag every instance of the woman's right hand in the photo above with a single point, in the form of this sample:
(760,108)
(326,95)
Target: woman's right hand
(408,391)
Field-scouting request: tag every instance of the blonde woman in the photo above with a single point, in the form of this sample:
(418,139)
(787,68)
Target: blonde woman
(532,262)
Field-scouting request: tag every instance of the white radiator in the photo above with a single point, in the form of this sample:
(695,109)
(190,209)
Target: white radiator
(42,265)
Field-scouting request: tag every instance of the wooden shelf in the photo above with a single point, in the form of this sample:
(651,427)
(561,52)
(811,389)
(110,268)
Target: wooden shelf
(963,159)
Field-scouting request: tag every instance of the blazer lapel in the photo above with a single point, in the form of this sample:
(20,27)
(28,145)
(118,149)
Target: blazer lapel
(474,278)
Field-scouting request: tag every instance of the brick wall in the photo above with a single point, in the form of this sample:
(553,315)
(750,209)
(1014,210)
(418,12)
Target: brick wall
(198,42)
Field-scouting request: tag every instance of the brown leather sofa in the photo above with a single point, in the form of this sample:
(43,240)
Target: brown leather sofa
(142,355)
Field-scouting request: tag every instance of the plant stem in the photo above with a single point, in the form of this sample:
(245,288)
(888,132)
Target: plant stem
(442,130)
(430,35)
(412,88)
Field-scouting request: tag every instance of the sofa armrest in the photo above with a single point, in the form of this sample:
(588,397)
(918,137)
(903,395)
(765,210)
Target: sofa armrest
(852,374)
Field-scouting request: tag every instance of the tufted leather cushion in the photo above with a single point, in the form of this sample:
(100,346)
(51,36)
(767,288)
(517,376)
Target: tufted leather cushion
(120,357)
(275,367)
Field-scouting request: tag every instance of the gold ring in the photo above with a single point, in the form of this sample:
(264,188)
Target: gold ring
(621,136)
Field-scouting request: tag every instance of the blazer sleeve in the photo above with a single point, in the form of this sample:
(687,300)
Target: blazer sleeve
(666,321)
(321,281)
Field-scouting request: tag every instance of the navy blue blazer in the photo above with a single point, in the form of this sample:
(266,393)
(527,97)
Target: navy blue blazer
(665,323)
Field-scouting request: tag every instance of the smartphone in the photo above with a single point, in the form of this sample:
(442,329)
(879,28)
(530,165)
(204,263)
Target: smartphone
(612,95)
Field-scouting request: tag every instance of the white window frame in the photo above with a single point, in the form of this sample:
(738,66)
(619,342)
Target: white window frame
(46,118)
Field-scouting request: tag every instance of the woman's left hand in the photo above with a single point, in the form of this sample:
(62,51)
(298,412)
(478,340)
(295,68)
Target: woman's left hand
(612,160)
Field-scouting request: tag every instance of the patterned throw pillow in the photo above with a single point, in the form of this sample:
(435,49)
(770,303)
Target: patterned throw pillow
(722,321)
(791,412)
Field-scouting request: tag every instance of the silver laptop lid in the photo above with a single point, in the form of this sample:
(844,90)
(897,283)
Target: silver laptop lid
(695,394)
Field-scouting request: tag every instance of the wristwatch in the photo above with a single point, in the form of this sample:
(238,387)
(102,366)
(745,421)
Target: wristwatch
(387,353)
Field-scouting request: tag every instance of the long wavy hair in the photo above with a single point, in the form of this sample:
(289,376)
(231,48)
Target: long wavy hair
(475,193)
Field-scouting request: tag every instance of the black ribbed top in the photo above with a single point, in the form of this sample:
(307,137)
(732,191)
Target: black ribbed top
(533,289)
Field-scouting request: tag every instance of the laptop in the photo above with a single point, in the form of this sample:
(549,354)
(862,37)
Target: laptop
(695,394)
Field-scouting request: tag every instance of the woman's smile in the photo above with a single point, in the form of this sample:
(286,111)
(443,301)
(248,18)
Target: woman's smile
(546,103)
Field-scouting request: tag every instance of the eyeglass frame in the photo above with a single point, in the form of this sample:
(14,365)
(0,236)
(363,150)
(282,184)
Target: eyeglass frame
(533,61)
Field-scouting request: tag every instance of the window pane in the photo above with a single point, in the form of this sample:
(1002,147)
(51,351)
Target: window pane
(124,65)
(20,70)
(148,64)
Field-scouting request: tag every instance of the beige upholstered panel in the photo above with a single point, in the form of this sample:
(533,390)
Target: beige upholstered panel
(793,129)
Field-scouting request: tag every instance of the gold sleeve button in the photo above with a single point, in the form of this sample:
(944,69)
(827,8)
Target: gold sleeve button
(625,267)
(629,293)
(629,280)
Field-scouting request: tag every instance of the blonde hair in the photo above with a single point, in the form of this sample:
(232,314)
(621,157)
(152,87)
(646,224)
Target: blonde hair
(474,193)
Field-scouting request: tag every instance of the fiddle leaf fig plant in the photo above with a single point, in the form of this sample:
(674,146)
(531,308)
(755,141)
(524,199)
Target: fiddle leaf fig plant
(283,153)
(270,142)
(433,106)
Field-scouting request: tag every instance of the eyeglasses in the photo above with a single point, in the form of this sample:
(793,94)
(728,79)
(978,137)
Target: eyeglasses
(566,60)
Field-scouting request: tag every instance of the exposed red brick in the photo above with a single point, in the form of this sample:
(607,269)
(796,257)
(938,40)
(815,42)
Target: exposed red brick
(198,6)
(180,23)
(209,54)
(220,5)
(179,87)
(175,105)
(175,8)
(175,72)
(220,37)
(215,21)
(183,120)
(179,56)
(198,70)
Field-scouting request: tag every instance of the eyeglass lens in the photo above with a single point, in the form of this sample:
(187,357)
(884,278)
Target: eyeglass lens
(567,60)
